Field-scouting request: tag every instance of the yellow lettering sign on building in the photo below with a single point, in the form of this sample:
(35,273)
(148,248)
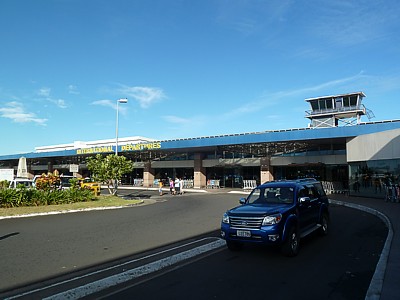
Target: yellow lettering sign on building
(92,150)
(143,146)
(129,147)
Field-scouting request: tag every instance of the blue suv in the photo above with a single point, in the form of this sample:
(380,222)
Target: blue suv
(278,213)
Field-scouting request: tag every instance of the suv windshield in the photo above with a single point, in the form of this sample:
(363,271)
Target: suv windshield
(275,195)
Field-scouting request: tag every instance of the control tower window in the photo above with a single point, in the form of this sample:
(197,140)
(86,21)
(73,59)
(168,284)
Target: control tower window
(314,105)
(325,104)
(329,104)
(353,100)
(346,101)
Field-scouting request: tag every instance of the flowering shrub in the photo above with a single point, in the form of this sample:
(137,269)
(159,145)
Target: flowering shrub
(48,182)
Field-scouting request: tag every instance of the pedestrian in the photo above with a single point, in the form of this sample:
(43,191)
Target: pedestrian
(181,186)
(171,187)
(377,184)
(177,186)
(160,186)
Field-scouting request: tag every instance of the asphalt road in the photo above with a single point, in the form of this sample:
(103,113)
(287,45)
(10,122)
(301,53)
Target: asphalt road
(37,248)
(339,266)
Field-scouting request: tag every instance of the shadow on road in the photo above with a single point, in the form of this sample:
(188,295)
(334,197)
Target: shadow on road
(8,235)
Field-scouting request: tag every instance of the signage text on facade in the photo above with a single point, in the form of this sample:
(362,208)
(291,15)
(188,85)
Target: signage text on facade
(95,150)
(142,146)
(128,147)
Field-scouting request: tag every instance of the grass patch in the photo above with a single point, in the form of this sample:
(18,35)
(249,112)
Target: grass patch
(101,201)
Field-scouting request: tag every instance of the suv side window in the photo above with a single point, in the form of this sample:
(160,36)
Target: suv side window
(256,195)
(302,192)
(319,189)
(312,192)
(308,191)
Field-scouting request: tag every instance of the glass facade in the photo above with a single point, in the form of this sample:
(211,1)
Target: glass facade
(375,178)
(333,173)
(232,177)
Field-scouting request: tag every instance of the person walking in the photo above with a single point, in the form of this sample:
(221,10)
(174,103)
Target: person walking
(171,187)
(177,186)
(160,186)
(181,185)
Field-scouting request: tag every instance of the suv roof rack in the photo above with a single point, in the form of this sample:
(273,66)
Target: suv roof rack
(306,179)
(293,180)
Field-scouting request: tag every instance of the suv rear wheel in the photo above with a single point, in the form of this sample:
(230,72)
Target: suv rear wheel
(290,246)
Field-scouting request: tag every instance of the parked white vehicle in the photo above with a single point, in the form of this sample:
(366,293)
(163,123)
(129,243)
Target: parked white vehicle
(18,181)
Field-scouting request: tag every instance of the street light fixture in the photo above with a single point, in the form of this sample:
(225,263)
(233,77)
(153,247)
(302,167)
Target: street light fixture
(123,100)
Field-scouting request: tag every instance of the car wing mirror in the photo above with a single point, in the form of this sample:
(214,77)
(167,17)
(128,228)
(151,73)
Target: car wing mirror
(242,200)
(304,200)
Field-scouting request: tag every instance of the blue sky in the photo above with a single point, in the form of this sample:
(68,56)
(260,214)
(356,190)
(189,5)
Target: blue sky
(188,68)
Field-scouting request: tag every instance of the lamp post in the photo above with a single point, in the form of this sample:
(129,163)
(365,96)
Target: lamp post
(123,100)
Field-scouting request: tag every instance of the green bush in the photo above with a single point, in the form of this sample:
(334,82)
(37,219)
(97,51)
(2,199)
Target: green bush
(73,195)
(8,197)
(4,184)
(32,197)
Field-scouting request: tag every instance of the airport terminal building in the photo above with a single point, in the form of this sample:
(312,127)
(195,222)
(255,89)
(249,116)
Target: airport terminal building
(348,155)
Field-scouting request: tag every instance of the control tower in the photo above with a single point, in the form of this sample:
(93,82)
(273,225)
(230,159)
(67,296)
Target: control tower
(337,110)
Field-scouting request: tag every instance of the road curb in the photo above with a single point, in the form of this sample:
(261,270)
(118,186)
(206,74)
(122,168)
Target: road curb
(376,285)
(67,211)
(125,276)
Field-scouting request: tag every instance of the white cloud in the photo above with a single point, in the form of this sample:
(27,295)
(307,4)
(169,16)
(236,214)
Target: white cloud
(45,93)
(60,103)
(16,112)
(179,127)
(146,96)
(176,120)
(354,22)
(112,104)
(254,17)
(268,102)
(107,103)
(326,86)
(73,89)
(270,99)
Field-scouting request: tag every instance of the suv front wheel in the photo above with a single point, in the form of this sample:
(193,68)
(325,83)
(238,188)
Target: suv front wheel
(324,222)
(290,246)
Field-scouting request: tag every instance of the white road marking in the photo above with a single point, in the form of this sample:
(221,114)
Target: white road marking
(114,280)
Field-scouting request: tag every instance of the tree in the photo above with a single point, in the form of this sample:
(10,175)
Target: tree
(109,170)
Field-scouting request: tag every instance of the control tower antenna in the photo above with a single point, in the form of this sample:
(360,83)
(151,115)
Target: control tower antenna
(370,114)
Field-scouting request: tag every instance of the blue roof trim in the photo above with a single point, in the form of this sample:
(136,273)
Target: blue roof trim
(284,135)
(39,154)
(247,138)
